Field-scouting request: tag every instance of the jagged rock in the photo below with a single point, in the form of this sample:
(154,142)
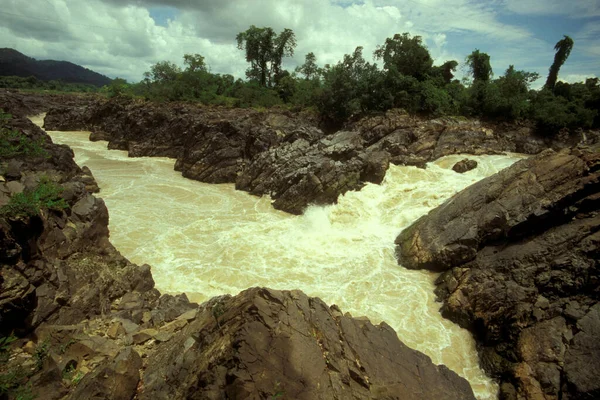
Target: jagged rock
(268,343)
(300,173)
(520,250)
(464,165)
(116,379)
(281,154)
(582,359)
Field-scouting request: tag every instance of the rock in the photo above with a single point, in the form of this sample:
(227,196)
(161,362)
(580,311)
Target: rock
(116,379)
(376,166)
(281,154)
(13,170)
(519,250)
(131,301)
(271,343)
(464,166)
(14,187)
(301,173)
(144,335)
(115,330)
(582,359)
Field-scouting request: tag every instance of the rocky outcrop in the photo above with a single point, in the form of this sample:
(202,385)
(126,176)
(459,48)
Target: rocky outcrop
(268,344)
(89,324)
(284,154)
(298,173)
(413,141)
(36,103)
(519,253)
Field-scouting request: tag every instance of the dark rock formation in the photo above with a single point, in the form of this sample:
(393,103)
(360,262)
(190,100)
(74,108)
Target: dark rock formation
(30,104)
(91,325)
(298,173)
(267,344)
(520,252)
(464,165)
(285,155)
(274,153)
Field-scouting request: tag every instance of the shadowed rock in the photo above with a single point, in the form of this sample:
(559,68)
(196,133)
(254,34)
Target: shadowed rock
(520,250)
(464,165)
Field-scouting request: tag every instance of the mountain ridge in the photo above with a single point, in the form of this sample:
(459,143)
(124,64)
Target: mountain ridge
(15,63)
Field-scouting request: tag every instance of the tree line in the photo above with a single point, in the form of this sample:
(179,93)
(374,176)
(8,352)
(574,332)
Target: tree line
(354,86)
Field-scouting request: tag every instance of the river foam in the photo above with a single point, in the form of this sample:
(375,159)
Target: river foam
(207,240)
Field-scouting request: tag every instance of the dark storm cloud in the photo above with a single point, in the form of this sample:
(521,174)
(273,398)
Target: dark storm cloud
(35,28)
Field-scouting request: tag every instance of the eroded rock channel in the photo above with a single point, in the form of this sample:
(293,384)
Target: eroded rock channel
(90,312)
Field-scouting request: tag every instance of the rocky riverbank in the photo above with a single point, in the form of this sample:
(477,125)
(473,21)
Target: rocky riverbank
(520,252)
(283,154)
(79,321)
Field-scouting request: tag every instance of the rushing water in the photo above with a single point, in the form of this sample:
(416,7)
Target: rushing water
(208,240)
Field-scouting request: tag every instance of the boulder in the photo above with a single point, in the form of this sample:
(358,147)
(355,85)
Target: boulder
(519,252)
(464,165)
(266,343)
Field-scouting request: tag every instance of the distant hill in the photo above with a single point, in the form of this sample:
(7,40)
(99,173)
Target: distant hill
(13,63)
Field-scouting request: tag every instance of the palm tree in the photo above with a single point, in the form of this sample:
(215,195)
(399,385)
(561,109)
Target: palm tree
(563,48)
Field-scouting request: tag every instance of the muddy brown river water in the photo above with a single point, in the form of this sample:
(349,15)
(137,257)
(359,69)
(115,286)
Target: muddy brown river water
(207,240)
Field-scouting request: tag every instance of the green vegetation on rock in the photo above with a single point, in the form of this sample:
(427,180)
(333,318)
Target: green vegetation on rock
(46,195)
(13,143)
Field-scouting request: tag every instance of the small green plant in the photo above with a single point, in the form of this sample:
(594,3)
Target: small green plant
(40,353)
(217,311)
(12,379)
(5,342)
(29,203)
(278,391)
(5,346)
(24,393)
(77,378)
(13,143)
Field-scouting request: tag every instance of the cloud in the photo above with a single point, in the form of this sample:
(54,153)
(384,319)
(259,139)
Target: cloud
(575,8)
(121,37)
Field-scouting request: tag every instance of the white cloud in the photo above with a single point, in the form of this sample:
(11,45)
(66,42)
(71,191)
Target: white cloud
(120,37)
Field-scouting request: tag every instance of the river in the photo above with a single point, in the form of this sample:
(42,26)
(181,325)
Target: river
(207,240)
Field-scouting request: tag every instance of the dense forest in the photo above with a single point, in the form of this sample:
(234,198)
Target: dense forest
(352,87)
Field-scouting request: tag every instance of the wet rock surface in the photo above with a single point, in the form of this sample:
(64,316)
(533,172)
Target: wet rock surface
(520,252)
(88,323)
(464,165)
(284,154)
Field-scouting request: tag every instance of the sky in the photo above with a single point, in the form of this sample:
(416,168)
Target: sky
(123,38)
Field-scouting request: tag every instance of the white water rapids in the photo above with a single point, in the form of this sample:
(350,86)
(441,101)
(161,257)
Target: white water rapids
(207,240)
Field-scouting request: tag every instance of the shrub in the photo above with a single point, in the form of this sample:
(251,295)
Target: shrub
(13,143)
(553,113)
(30,202)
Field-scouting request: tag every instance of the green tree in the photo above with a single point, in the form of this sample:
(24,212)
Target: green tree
(309,69)
(194,62)
(351,86)
(163,71)
(117,87)
(563,49)
(445,71)
(479,66)
(265,51)
(405,55)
